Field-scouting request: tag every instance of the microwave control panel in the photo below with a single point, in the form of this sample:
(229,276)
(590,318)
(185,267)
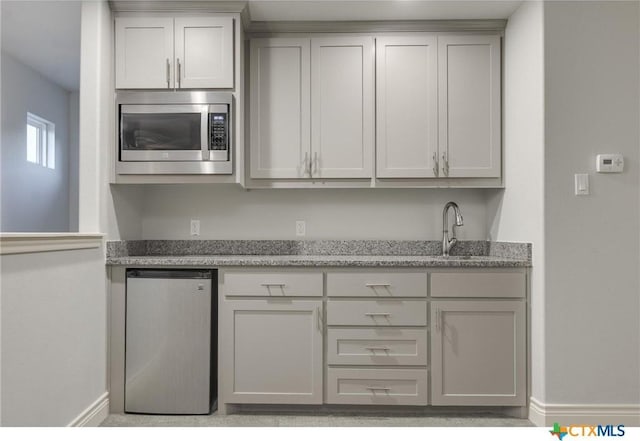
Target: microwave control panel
(219,131)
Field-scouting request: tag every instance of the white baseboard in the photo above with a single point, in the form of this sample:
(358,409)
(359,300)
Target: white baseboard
(545,415)
(93,415)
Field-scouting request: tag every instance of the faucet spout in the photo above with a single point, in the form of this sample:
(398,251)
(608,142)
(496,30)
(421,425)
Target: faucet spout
(448,243)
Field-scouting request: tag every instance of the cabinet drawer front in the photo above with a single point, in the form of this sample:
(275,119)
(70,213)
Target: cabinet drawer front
(377,312)
(407,284)
(272,284)
(378,347)
(478,284)
(377,386)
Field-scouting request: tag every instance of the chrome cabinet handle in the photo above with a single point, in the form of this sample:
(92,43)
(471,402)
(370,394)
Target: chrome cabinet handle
(280,285)
(375,285)
(374,349)
(436,170)
(314,164)
(319,319)
(373,314)
(445,164)
(168,74)
(179,73)
(373,388)
(307,164)
(438,319)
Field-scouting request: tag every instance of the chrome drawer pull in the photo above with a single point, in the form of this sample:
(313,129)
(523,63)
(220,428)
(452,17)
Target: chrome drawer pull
(373,349)
(372,388)
(373,314)
(375,285)
(268,285)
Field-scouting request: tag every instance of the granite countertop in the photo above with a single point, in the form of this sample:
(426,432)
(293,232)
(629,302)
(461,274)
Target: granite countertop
(361,253)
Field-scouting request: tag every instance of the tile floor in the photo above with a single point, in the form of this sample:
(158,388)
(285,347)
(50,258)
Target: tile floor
(323,420)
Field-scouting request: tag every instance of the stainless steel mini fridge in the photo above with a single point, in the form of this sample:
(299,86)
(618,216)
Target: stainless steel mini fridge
(170,352)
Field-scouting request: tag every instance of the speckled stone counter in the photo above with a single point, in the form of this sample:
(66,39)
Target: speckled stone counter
(361,253)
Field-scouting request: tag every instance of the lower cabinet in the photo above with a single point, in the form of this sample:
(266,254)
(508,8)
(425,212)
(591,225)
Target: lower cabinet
(272,351)
(478,353)
(455,337)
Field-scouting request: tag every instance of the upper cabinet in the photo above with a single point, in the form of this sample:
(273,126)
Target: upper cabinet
(469,106)
(280,107)
(174,53)
(438,106)
(419,109)
(312,108)
(407,106)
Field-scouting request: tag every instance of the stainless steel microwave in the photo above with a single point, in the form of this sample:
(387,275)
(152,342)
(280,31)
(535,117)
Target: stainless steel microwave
(174,132)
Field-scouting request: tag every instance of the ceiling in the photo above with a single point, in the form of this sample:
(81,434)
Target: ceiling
(285,10)
(44,35)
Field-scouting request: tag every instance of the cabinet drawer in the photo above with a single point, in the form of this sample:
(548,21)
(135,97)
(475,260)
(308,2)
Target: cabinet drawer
(377,312)
(272,284)
(377,386)
(406,284)
(478,284)
(378,347)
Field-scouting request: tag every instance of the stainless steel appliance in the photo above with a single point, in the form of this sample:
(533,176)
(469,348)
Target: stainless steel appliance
(174,132)
(171,341)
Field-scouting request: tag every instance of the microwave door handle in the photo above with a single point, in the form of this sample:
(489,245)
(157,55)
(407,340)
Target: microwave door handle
(205,136)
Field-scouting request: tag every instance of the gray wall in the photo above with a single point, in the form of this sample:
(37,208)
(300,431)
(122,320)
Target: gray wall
(33,198)
(592,250)
(228,212)
(516,214)
(53,330)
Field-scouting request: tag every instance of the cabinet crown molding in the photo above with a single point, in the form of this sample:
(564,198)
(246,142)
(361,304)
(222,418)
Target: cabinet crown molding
(267,27)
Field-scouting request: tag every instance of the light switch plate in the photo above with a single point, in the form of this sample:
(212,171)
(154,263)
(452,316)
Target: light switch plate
(301,228)
(582,184)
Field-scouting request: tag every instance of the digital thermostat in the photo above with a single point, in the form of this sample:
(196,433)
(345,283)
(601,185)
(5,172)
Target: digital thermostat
(609,163)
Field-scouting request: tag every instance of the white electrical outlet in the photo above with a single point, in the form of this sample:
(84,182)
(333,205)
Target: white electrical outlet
(195,227)
(301,228)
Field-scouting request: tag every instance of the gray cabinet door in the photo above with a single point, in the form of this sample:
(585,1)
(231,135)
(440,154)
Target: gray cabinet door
(144,53)
(280,107)
(407,106)
(272,351)
(478,353)
(342,107)
(469,106)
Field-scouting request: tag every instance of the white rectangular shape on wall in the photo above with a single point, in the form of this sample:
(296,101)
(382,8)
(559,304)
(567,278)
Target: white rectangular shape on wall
(144,53)
(272,284)
(377,346)
(377,386)
(280,106)
(581,184)
(273,351)
(342,114)
(478,284)
(377,284)
(204,52)
(376,312)
(609,163)
(407,106)
(469,106)
(478,353)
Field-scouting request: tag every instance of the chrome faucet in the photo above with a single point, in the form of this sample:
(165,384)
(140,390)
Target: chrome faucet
(447,243)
